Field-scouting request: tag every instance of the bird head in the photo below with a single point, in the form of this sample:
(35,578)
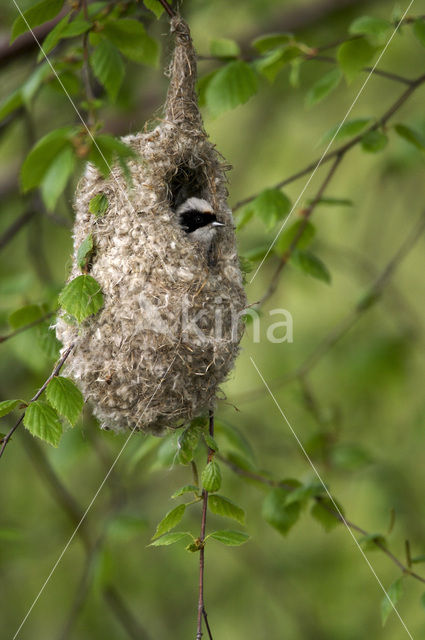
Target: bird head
(197,218)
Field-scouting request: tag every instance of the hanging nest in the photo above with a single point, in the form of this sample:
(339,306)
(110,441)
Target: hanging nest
(168,333)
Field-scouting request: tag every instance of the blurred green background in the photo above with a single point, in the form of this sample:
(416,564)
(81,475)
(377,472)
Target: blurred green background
(364,429)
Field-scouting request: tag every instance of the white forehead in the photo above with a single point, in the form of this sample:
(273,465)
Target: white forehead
(195,203)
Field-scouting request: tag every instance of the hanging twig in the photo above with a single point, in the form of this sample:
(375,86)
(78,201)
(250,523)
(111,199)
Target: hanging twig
(167,8)
(202,614)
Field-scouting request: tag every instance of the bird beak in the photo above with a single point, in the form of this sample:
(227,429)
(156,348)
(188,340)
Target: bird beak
(217,224)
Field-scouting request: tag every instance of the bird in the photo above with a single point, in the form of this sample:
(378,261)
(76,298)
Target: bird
(198,220)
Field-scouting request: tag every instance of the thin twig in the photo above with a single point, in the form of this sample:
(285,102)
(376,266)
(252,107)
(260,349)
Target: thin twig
(54,373)
(342,150)
(307,213)
(201,607)
(276,483)
(378,72)
(30,325)
(167,8)
(372,294)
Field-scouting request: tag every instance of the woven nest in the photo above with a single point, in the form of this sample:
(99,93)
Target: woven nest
(140,361)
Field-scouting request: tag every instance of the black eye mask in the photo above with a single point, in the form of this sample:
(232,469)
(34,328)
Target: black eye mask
(193,219)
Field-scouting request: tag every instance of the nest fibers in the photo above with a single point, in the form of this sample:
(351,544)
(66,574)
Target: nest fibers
(168,333)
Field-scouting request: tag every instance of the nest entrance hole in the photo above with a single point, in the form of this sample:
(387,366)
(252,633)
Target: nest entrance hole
(186,182)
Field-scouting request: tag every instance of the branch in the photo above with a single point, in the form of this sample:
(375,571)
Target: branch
(202,614)
(371,296)
(54,373)
(378,72)
(307,213)
(342,150)
(167,8)
(276,483)
(26,43)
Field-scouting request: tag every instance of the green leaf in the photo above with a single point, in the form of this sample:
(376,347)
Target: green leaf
(394,594)
(42,421)
(230,86)
(188,488)
(148,445)
(169,538)
(323,87)
(419,30)
(43,155)
(376,30)
(130,37)
(7,406)
(32,17)
(411,135)
(224,507)
(211,476)
(288,236)
(53,37)
(224,48)
(272,41)
(271,205)
(277,513)
(25,315)
(235,439)
(374,141)
(154,6)
(350,456)
(187,443)
(170,521)
(98,205)
(65,397)
(85,252)
(31,86)
(82,297)
(423,600)
(371,541)
(304,492)
(271,63)
(108,67)
(47,340)
(322,512)
(353,56)
(64,29)
(56,177)
(107,151)
(347,130)
(311,265)
(10,104)
(229,537)
(211,443)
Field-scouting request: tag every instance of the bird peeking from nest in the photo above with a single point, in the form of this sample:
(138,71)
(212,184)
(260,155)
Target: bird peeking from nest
(198,220)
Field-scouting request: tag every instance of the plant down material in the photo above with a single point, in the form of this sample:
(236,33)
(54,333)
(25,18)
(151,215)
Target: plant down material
(154,356)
